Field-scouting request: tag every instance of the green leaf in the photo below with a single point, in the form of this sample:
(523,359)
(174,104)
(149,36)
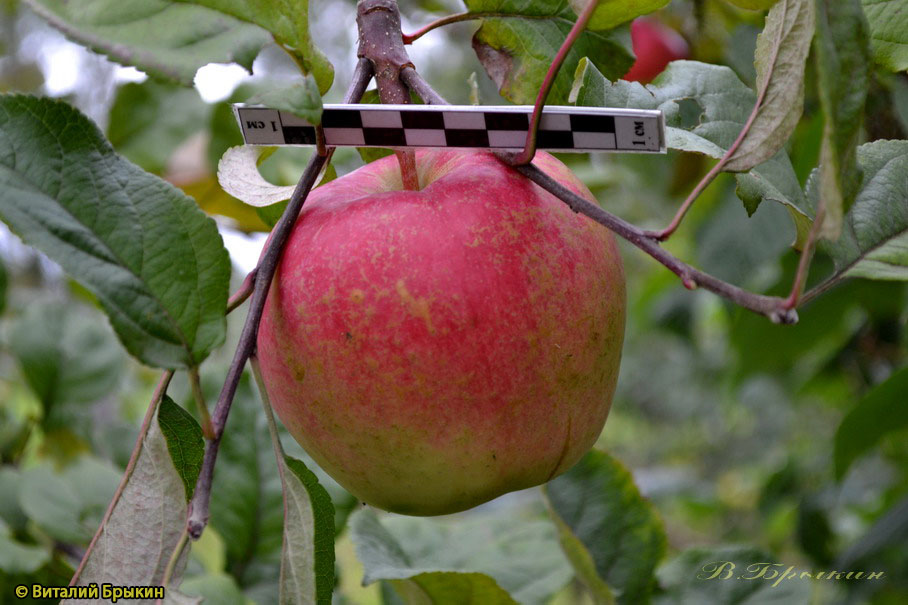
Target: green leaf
(602,518)
(184,442)
(888,32)
(246,502)
(611,13)
(843,75)
(214,588)
(880,412)
(156,263)
(724,104)
(517,43)
(68,357)
(146,523)
(167,40)
(874,240)
(18,558)
(11,514)
(307,555)
(730,574)
(288,22)
(482,560)
(302,99)
(150,120)
(889,531)
(67,505)
(781,56)
(238,175)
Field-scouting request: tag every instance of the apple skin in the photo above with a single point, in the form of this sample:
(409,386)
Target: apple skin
(655,46)
(435,349)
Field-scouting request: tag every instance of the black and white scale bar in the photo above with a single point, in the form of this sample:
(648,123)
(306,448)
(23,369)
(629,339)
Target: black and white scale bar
(578,129)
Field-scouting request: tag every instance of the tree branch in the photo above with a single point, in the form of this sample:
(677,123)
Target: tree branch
(772,307)
(199,506)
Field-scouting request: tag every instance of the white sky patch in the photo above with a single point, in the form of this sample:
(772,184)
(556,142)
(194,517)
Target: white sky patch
(216,82)
(129,74)
(244,249)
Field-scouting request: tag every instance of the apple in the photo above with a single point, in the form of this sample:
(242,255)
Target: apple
(435,349)
(655,46)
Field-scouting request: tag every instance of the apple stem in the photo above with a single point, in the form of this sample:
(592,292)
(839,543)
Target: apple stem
(408,175)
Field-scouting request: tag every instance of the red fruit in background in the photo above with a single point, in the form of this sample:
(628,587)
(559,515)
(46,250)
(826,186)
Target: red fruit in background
(655,45)
(435,349)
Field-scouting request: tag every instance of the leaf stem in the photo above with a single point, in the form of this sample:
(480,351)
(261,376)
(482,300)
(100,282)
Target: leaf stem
(666,233)
(174,559)
(529,147)
(244,291)
(797,287)
(156,398)
(199,506)
(196,385)
(455,18)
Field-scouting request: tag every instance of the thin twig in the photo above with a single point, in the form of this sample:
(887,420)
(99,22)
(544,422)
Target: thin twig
(422,89)
(456,18)
(199,506)
(771,306)
(529,147)
(156,398)
(244,292)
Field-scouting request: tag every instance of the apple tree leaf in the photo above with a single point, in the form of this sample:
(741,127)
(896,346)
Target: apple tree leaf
(68,359)
(496,560)
(517,42)
(301,99)
(239,176)
(730,574)
(17,558)
(874,239)
(611,13)
(843,76)
(151,119)
(307,554)
(888,32)
(146,523)
(156,263)
(782,50)
(167,40)
(724,103)
(184,442)
(288,22)
(67,504)
(610,533)
(880,412)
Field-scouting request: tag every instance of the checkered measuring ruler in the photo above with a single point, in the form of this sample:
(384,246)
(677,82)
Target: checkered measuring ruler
(578,129)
